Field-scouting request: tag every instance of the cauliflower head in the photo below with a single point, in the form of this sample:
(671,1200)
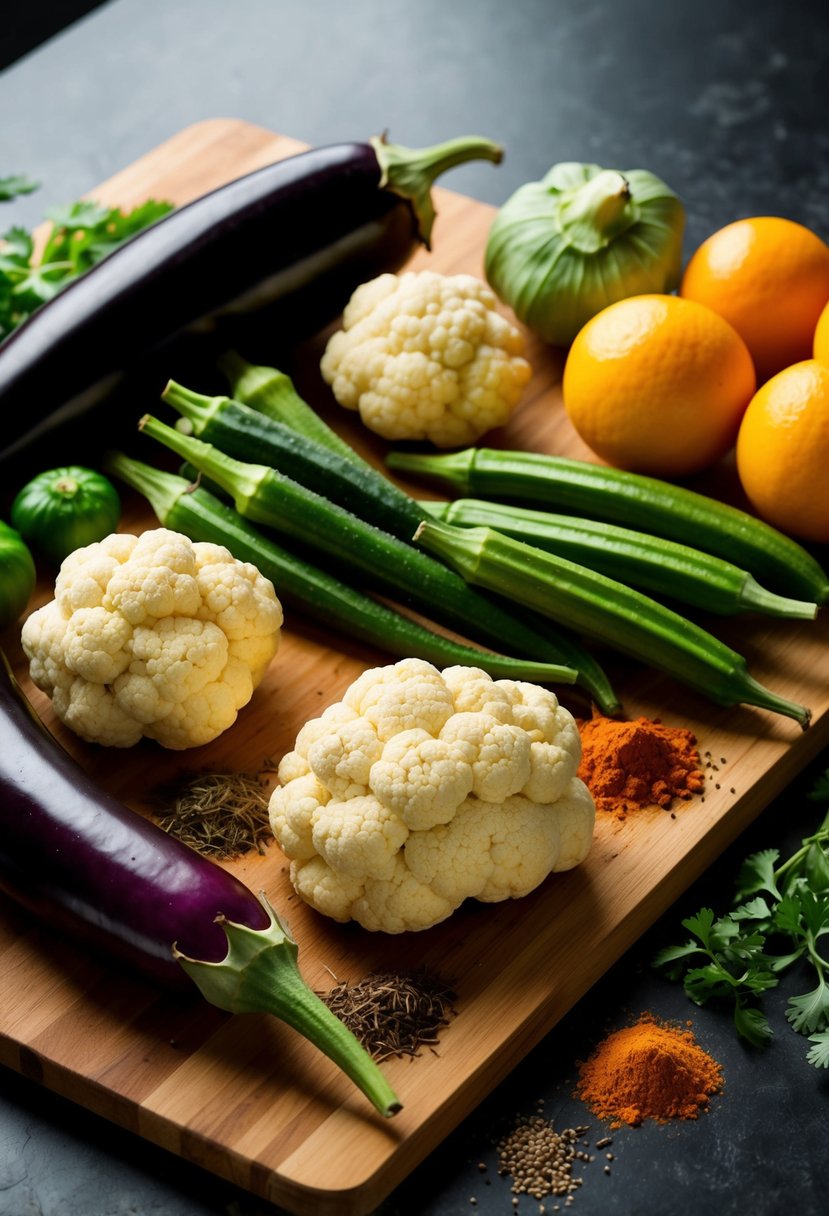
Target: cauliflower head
(152,636)
(422,788)
(427,356)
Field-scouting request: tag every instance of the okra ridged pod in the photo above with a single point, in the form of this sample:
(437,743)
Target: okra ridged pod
(386,564)
(630,499)
(650,563)
(605,610)
(313,592)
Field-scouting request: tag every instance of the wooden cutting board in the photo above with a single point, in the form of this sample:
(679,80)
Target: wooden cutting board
(245,1097)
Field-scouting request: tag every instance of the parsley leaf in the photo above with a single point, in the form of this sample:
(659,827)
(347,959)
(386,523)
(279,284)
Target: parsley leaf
(819,1054)
(783,902)
(82,234)
(11,187)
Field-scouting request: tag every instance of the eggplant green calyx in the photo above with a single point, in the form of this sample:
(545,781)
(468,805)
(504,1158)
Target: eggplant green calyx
(411,172)
(260,974)
(595,213)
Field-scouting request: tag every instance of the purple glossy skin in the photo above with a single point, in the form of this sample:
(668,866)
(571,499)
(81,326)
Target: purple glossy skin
(87,865)
(198,259)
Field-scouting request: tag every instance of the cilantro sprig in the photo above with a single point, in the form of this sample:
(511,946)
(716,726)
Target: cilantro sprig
(81,234)
(780,914)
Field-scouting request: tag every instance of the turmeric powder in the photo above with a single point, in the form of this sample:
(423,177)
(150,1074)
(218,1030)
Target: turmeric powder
(630,765)
(651,1069)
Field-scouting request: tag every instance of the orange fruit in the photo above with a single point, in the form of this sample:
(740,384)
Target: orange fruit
(769,278)
(658,385)
(820,343)
(783,451)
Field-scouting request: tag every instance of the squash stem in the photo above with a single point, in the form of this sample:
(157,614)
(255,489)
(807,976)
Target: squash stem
(595,213)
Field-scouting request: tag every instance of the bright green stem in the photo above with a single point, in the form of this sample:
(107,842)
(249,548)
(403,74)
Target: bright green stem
(272,393)
(260,974)
(195,407)
(607,611)
(241,481)
(595,213)
(411,172)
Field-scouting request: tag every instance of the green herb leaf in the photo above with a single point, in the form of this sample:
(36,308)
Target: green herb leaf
(819,1054)
(757,874)
(752,1025)
(810,1011)
(11,187)
(754,909)
(780,900)
(82,234)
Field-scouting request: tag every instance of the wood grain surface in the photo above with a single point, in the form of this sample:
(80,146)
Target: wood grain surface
(244,1096)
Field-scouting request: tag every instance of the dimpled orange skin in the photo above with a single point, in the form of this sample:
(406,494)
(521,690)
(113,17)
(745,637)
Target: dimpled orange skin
(820,346)
(658,385)
(769,278)
(783,451)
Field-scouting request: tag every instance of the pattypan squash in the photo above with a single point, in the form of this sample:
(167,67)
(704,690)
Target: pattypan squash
(561,249)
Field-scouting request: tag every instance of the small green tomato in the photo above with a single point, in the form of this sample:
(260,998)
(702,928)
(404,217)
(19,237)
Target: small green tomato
(17,575)
(63,509)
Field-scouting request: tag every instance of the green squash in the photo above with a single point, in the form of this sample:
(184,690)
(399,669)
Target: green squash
(562,249)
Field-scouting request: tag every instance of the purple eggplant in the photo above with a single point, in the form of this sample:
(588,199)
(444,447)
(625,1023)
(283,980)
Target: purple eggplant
(100,873)
(296,238)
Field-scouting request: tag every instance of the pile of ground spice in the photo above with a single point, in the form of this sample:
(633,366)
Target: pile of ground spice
(631,765)
(652,1069)
(540,1159)
(393,1013)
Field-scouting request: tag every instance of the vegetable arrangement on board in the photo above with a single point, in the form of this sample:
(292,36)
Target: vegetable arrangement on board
(449,774)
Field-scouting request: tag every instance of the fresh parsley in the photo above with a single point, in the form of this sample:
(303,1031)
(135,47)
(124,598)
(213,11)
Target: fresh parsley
(780,914)
(80,235)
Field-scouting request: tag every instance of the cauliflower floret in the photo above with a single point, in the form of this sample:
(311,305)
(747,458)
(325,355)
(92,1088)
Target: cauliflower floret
(421,789)
(427,356)
(154,636)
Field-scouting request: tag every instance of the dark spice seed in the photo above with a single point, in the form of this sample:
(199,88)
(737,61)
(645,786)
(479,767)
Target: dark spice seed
(220,815)
(394,1013)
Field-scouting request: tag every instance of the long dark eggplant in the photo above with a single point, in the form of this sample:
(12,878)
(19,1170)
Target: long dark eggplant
(98,872)
(297,236)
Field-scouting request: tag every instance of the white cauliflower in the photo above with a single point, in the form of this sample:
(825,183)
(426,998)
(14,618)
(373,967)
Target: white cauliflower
(153,636)
(427,356)
(422,788)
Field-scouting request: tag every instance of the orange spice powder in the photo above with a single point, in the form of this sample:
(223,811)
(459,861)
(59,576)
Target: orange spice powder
(630,765)
(651,1069)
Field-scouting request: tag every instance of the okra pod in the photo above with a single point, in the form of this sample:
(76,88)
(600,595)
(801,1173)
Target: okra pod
(605,610)
(655,565)
(630,499)
(271,392)
(247,435)
(388,565)
(311,591)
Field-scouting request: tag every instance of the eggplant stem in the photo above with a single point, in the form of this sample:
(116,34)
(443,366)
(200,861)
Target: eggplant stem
(260,974)
(411,172)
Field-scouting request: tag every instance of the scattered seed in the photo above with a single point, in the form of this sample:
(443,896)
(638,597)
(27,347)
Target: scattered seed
(220,815)
(394,1014)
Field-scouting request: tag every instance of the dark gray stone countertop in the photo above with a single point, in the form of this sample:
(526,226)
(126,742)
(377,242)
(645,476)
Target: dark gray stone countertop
(727,101)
